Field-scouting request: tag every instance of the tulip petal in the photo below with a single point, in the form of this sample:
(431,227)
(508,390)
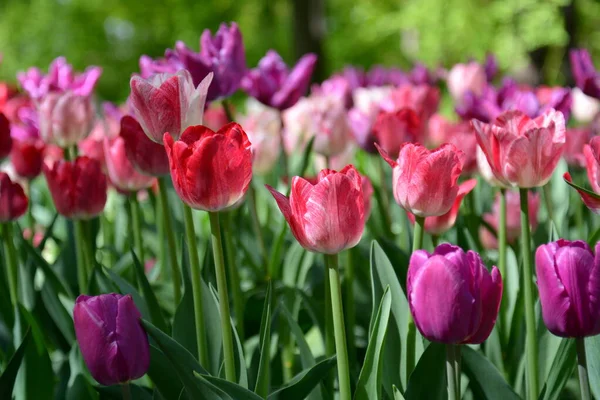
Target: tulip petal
(589,198)
(491,295)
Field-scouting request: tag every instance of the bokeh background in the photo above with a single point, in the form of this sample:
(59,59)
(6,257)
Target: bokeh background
(530,38)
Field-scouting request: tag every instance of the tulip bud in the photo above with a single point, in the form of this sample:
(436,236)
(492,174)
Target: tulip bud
(425,182)
(5,139)
(113,343)
(13,201)
(568,279)
(27,156)
(452,296)
(78,187)
(326,217)
(211,171)
(65,118)
(584,72)
(121,171)
(147,157)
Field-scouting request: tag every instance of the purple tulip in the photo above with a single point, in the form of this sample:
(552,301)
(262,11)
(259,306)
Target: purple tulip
(568,276)
(586,76)
(484,107)
(274,85)
(452,296)
(491,67)
(113,343)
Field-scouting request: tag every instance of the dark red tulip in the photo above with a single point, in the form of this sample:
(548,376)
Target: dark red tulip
(148,157)
(27,157)
(5,139)
(13,201)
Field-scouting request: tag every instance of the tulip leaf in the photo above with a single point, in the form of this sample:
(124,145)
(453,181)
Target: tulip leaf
(484,379)
(161,373)
(275,259)
(561,370)
(592,352)
(115,392)
(9,375)
(428,380)
(156,315)
(397,394)
(305,157)
(369,381)
(263,378)
(594,237)
(303,383)
(236,392)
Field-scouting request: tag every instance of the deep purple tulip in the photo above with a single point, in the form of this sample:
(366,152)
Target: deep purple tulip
(568,277)
(452,296)
(584,72)
(113,343)
(274,85)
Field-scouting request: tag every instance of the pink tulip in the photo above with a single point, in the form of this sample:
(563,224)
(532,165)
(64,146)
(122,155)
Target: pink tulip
(452,296)
(425,182)
(367,189)
(423,99)
(108,126)
(328,216)
(148,157)
(576,139)
(585,107)
(65,118)
(168,103)
(459,134)
(521,151)
(393,129)
(120,170)
(464,78)
(263,126)
(591,152)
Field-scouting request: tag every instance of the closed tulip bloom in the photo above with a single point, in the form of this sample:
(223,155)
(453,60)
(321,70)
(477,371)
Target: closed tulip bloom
(78,187)
(584,72)
(27,157)
(393,129)
(65,118)
(147,157)
(274,85)
(425,182)
(211,171)
(568,279)
(460,134)
(443,223)
(108,126)
(263,126)
(121,171)
(423,99)
(113,343)
(327,216)
(452,296)
(5,139)
(364,114)
(13,201)
(464,78)
(576,140)
(521,151)
(168,103)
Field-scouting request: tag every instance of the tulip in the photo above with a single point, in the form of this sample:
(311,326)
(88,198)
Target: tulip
(13,201)
(168,103)
(326,217)
(78,188)
(211,171)
(107,127)
(121,170)
(522,152)
(274,85)
(262,125)
(425,182)
(367,190)
(23,118)
(113,343)
(438,225)
(584,72)
(459,134)
(575,141)
(215,117)
(147,157)
(363,115)
(26,157)
(65,118)
(585,108)
(591,153)
(5,138)
(423,99)
(393,129)
(484,107)
(452,296)
(336,86)
(464,78)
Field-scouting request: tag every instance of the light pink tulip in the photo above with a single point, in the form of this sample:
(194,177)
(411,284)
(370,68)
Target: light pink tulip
(464,78)
(65,118)
(121,171)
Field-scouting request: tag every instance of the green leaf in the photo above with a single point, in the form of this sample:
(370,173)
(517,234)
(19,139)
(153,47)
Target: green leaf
(7,380)
(156,315)
(126,288)
(57,283)
(163,375)
(236,391)
(428,380)
(303,383)
(306,157)
(561,370)
(594,238)
(275,259)
(592,352)
(484,379)
(397,394)
(369,381)
(263,378)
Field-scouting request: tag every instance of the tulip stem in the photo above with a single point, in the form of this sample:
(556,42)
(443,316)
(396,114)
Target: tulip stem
(531,343)
(11,263)
(190,234)
(338,326)
(502,258)
(257,231)
(329,335)
(83,260)
(217,246)
(284,157)
(384,196)
(227,109)
(126,389)
(452,372)
(170,234)
(584,382)
(136,220)
(232,267)
(350,305)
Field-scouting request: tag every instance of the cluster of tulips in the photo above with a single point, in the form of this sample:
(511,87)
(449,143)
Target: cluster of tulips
(178,130)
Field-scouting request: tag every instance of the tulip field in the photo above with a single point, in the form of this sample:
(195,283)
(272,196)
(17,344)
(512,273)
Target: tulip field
(242,232)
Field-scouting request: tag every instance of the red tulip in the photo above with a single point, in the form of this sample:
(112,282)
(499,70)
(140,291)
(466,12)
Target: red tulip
(78,187)
(393,129)
(459,134)
(215,117)
(423,99)
(211,171)
(13,201)
(27,157)
(367,189)
(121,171)
(521,151)
(576,139)
(443,223)
(5,139)
(326,217)
(425,182)
(147,157)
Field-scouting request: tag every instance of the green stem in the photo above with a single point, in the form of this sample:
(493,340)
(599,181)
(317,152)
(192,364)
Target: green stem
(584,382)
(531,343)
(107,239)
(170,234)
(137,227)
(126,390)
(458,368)
(411,336)
(579,218)
(227,109)
(30,217)
(435,240)
(451,372)
(190,234)
(385,199)
(338,326)
(549,206)
(11,262)
(82,250)
(232,267)
(257,231)
(217,246)
(350,305)
(502,235)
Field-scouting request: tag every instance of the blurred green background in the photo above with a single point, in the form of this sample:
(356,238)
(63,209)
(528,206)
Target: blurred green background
(529,37)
